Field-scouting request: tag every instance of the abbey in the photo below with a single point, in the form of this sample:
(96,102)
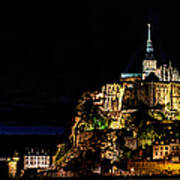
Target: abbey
(122,120)
(156,87)
(116,104)
(164,72)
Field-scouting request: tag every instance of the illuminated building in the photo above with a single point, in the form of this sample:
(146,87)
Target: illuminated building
(156,86)
(175,152)
(35,159)
(167,151)
(109,121)
(164,72)
(161,151)
(110,101)
(12,165)
(110,97)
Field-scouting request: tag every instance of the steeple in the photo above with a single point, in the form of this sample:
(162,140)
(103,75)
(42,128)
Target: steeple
(149,47)
(149,64)
(149,32)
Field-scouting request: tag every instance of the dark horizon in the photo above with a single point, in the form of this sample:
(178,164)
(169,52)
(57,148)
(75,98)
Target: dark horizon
(51,54)
(30,130)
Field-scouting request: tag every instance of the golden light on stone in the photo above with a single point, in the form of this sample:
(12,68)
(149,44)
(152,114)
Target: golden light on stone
(142,110)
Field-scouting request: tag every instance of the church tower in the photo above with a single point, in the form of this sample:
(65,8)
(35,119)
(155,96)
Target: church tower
(149,64)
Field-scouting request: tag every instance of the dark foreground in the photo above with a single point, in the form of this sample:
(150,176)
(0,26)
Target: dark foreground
(104,178)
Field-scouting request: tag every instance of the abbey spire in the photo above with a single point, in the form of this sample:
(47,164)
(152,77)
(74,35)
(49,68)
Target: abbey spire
(149,47)
(149,32)
(153,70)
(149,64)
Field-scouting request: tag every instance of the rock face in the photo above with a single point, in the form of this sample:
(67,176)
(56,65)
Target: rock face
(104,130)
(93,148)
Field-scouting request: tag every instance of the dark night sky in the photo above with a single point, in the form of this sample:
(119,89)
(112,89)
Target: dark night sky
(51,53)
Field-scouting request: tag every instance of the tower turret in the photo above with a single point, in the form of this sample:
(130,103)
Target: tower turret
(149,64)
(149,46)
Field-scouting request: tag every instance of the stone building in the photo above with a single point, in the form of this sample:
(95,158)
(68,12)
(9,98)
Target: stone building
(157,87)
(161,151)
(36,159)
(106,120)
(150,65)
(166,151)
